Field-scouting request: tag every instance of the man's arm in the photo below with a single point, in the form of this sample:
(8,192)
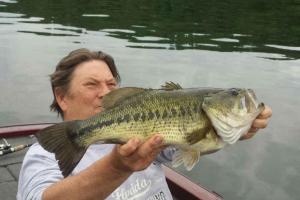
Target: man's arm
(100,179)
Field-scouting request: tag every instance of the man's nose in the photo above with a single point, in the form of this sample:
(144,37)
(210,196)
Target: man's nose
(104,90)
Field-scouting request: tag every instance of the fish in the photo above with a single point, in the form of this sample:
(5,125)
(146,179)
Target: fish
(197,121)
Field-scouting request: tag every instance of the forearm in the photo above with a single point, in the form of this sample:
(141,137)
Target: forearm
(96,182)
(100,179)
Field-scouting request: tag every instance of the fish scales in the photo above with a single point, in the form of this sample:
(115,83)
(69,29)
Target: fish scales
(172,114)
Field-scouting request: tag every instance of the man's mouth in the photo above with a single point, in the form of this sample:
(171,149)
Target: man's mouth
(99,107)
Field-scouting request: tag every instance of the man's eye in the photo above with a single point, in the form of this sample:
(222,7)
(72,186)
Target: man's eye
(90,84)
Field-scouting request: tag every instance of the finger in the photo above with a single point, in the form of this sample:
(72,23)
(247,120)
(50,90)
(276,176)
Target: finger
(129,148)
(260,123)
(150,146)
(253,129)
(266,113)
(248,135)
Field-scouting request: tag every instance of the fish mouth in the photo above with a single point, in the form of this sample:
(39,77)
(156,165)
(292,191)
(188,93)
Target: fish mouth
(251,103)
(251,100)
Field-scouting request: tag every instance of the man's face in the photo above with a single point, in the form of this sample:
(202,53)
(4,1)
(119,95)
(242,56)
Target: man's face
(90,82)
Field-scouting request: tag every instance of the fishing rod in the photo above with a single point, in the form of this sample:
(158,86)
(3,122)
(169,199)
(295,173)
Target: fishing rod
(6,148)
(6,145)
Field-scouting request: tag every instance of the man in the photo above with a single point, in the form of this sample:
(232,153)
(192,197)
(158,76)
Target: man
(108,171)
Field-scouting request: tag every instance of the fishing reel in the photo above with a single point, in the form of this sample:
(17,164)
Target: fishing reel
(7,148)
(4,146)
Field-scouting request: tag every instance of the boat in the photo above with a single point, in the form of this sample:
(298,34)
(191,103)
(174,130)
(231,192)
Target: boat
(180,186)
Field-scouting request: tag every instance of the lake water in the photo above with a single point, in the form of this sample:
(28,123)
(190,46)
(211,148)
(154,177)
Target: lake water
(229,43)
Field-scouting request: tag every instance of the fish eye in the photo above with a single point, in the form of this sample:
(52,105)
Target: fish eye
(234,91)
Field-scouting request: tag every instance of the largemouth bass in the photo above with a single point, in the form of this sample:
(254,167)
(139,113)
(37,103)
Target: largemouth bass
(197,121)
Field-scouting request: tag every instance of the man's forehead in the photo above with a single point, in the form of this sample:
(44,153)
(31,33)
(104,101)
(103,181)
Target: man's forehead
(93,70)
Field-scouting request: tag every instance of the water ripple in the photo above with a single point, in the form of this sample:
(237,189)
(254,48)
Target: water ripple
(95,15)
(225,40)
(283,47)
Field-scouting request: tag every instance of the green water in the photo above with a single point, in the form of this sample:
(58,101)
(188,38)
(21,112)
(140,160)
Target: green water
(228,43)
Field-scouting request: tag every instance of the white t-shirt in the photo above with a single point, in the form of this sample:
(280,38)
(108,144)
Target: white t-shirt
(40,170)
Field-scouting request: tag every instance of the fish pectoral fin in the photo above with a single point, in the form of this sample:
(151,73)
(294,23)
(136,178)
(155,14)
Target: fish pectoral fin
(171,86)
(189,157)
(118,95)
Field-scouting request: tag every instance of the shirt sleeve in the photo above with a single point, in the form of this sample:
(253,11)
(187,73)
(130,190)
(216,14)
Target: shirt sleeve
(39,171)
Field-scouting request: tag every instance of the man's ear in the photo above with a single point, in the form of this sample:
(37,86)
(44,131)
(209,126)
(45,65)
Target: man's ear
(60,97)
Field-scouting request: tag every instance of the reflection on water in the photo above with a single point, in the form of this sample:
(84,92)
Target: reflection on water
(284,47)
(229,43)
(93,15)
(229,25)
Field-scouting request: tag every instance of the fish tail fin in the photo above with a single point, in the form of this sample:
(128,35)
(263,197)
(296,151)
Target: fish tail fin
(189,157)
(59,139)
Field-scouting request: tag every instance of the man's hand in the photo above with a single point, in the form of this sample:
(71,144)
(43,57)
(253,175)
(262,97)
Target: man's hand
(260,122)
(135,155)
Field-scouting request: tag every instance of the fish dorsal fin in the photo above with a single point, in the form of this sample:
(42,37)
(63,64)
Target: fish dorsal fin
(118,95)
(171,86)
